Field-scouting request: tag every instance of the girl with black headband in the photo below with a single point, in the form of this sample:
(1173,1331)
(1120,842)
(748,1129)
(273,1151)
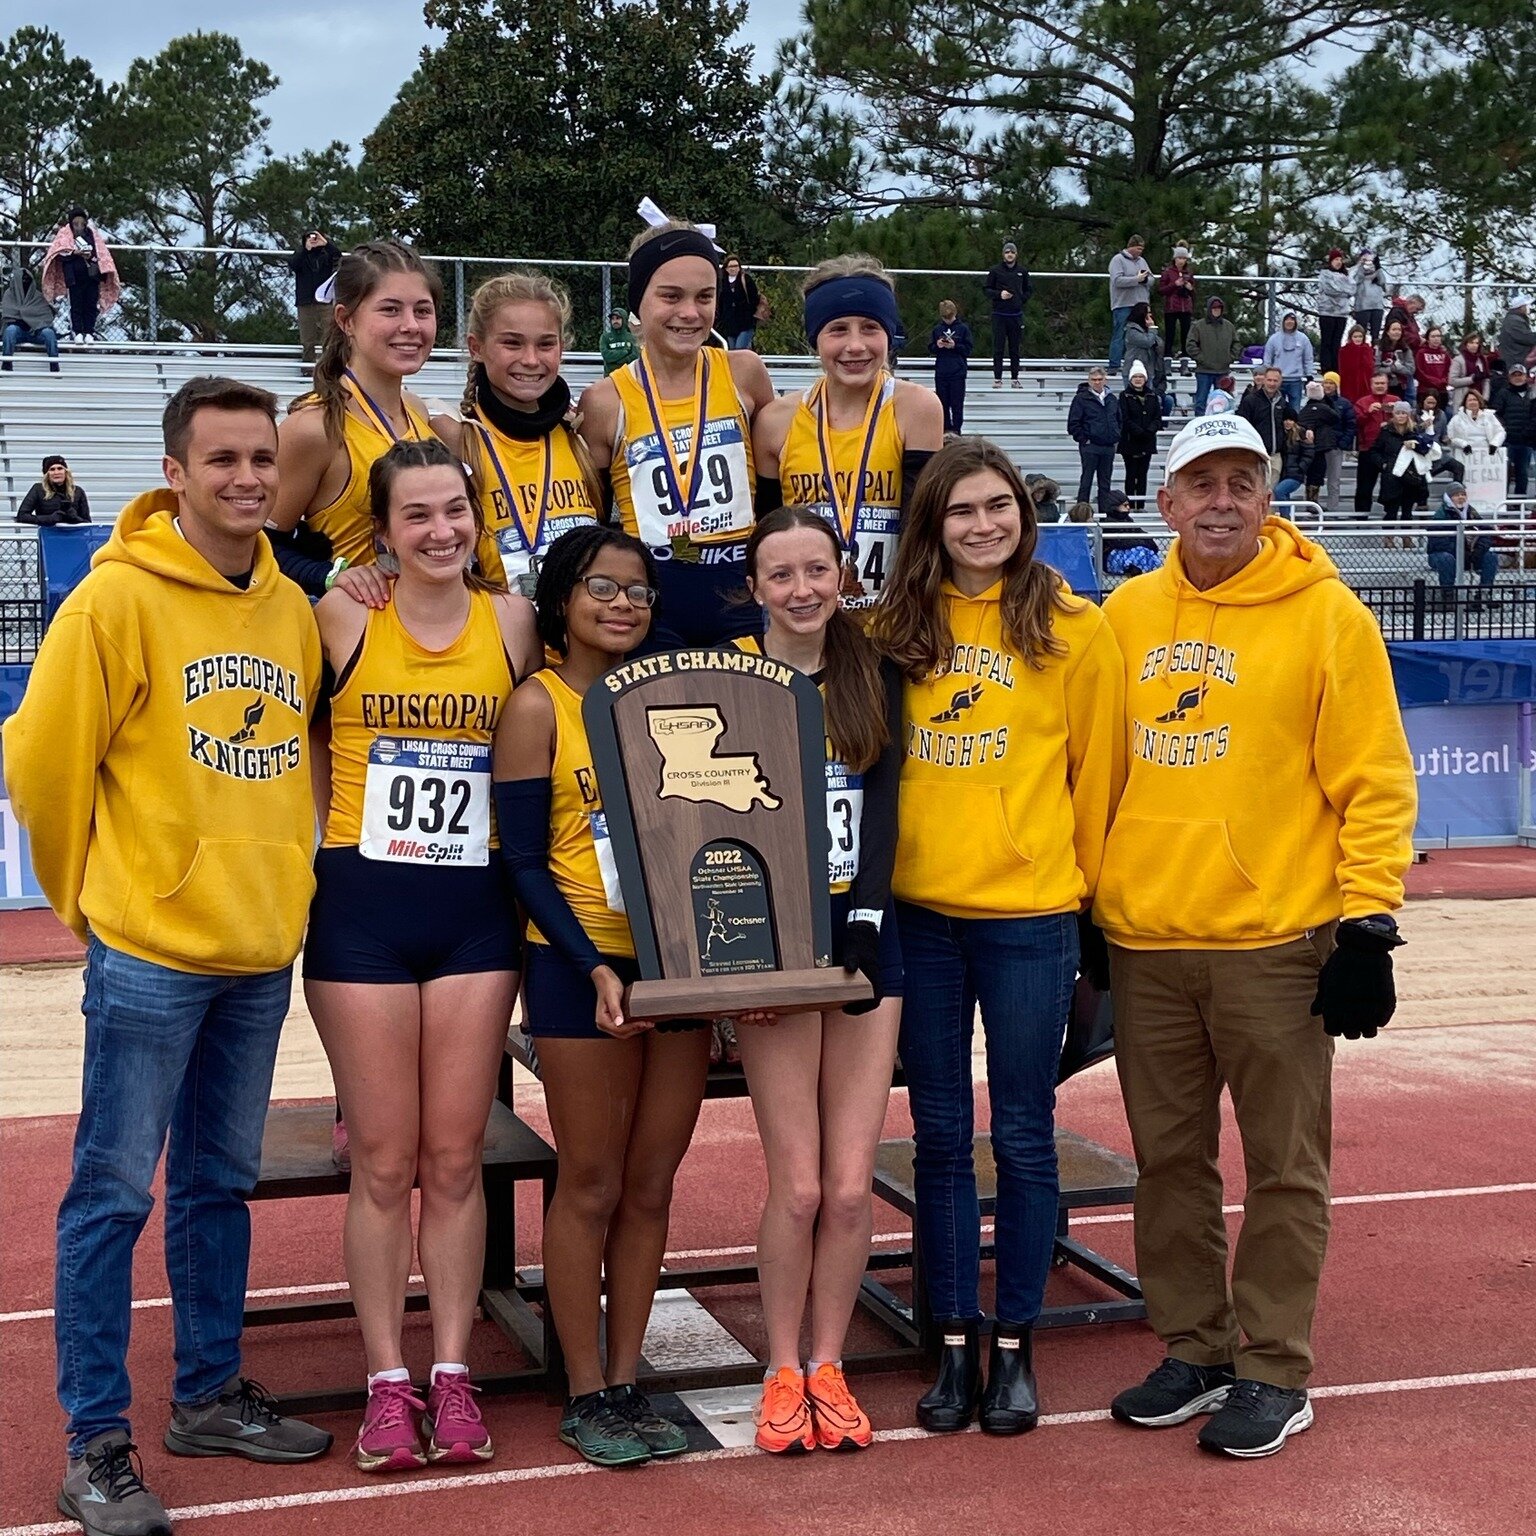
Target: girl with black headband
(853,444)
(674,428)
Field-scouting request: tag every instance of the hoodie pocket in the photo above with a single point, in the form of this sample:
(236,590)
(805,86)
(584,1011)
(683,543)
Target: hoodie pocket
(956,850)
(1166,879)
(238,906)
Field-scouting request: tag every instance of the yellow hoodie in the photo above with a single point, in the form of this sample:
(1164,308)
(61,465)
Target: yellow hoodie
(159,759)
(1010,772)
(1269,786)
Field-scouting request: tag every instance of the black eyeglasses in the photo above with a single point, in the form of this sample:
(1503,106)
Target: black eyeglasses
(605,589)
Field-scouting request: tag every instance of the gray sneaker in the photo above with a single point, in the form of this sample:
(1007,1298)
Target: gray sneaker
(104,1490)
(243,1421)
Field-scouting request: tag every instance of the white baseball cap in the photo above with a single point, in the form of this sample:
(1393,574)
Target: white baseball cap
(1213,434)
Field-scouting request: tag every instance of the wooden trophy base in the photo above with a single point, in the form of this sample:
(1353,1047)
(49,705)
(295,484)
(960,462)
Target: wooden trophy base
(709,997)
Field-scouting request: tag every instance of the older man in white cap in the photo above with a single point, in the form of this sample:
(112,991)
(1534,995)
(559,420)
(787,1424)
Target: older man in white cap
(1255,858)
(1517,338)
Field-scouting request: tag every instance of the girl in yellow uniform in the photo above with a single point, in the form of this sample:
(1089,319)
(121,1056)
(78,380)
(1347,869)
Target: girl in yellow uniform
(854,443)
(514,427)
(1014,755)
(820,1082)
(381,333)
(411,960)
(623,1095)
(674,430)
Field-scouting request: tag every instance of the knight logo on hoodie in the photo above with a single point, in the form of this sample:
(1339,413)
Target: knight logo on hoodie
(235,734)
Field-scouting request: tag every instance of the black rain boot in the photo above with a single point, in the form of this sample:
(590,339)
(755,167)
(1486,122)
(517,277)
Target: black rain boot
(950,1403)
(1011,1403)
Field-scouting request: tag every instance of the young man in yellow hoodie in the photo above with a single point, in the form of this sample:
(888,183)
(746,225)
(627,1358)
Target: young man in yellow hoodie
(1256,854)
(159,762)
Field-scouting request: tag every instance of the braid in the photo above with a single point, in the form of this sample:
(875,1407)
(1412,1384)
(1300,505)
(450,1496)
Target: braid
(564,564)
(469,438)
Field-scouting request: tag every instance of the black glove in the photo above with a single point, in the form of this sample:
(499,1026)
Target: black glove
(1355,995)
(861,953)
(1092,953)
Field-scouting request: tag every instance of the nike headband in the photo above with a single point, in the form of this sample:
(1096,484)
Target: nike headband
(866,297)
(656,253)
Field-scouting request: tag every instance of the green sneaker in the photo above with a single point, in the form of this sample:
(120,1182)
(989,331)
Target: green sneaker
(593,1426)
(662,1436)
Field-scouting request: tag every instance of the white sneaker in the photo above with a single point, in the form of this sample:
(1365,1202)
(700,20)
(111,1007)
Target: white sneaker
(89,339)
(1018,384)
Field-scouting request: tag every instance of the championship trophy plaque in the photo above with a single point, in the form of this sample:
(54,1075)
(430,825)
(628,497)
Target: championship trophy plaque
(712,767)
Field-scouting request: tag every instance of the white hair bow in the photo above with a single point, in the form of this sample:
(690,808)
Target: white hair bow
(656,218)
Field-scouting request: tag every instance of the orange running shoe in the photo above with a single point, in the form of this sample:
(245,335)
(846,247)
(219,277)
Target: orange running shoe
(841,1425)
(782,1417)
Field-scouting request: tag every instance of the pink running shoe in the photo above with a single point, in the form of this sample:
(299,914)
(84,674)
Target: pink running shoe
(390,1439)
(455,1430)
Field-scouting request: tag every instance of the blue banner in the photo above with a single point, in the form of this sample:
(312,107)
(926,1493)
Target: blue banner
(1467,762)
(18,885)
(1464,672)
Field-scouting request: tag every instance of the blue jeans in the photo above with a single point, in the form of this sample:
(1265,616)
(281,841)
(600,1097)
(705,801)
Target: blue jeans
(1287,488)
(1481,557)
(164,1050)
(17,335)
(1116,349)
(1204,384)
(742,341)
(1021,970)
(1294,391)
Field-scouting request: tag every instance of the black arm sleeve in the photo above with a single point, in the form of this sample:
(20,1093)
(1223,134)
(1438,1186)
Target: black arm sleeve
(522,822)
(913,462)
(309,574)
(877,824)
(770,496)
(27,511)
(82,507)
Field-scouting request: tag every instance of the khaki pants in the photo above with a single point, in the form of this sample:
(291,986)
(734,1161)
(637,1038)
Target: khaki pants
(1187,1022)
(312,320)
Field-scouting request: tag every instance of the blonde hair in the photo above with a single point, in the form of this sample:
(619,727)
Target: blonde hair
(491,297)
(855,264)
(655,232)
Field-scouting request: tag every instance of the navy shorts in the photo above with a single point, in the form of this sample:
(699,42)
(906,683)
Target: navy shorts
(380,922)
(703,604)
(893,977)
(560,1002)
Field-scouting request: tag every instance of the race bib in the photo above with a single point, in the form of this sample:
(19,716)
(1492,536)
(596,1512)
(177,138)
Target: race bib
(868,559)
(845,810)
(722,504)
(427,802)
(517,561)
(605,860)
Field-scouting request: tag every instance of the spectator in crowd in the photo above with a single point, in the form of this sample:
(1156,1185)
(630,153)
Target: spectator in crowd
(1372,412)
(1009,288)
(1130,282)
(1213,346)
(1046,495)
(1093,423)
(1434,420)
(1512,404)
(1407,311)
(736,308)
(312,263)
(617,344)
(1456,507)
(1290,350)
(1395,357)
(1143,345)
(1335,296)
(1370,294)
(1408,454)
(1474,430)
(1357,362)
(1432,364)
(1432,413)
(55,498)
(1346,435)
(27,319)
(1296,461)
(1232,927)
(1080,512)
(1517,340)
(1128,549)
(950,342)
(1265,408)
(1141,419)
(79,263)
(1318,420)
(1222,400)
(1470,369)
(1177,287)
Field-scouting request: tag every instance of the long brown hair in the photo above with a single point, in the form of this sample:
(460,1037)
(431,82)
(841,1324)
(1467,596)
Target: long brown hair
(493,295)
(422,453)
(358,273)
(856,723)
(911,620)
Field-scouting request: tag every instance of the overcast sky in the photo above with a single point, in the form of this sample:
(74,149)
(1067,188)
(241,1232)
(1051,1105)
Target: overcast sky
(340,61)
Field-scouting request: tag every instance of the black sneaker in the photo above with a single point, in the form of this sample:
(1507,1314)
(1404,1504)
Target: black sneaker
(104,1490)
(1256,1419)
(661,1435)
(1173,1394)
(243,1421)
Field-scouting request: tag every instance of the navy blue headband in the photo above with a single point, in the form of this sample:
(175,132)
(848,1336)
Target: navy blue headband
(864,296)
(664,248)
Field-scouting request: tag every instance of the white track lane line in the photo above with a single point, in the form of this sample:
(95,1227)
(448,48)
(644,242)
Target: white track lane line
(359,1493)
(694,1254)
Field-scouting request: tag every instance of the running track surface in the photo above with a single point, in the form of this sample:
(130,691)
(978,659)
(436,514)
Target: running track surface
(1426,1341)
